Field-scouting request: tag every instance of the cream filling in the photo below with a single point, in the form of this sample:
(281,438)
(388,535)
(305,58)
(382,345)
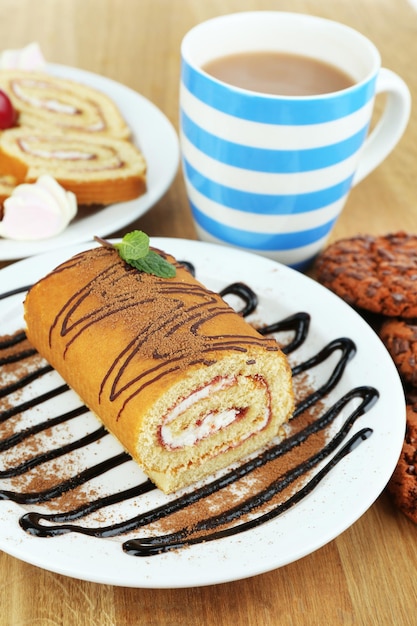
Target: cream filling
(63,155)
(207,424)
(210,423)
(53,105)
(43,103)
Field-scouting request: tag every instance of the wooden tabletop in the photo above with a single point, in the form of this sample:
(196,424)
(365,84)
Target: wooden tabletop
(367,576)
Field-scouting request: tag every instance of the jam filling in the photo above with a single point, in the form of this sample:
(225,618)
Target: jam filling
(176,433)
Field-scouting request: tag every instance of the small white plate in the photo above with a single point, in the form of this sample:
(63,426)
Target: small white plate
(152,132)
(337,502)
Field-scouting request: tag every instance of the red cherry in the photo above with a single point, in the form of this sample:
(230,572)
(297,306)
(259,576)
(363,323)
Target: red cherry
(8,114)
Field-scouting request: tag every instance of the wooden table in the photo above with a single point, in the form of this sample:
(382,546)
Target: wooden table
(367,576)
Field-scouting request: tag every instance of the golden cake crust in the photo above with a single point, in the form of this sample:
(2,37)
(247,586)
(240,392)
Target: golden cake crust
(99,170)
(184,382)
(7,184)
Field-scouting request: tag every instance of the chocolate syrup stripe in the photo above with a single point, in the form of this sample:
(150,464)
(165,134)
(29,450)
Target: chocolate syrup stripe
(68,485)
(211,528)
(24,406)
(53,454)
(70,322)
(174,364)
(25,380)
(150,546)
(16,438)
(31,522)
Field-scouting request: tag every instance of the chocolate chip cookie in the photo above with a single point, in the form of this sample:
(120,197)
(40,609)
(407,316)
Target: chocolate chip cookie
(400,339)
(378,274)
(403,484)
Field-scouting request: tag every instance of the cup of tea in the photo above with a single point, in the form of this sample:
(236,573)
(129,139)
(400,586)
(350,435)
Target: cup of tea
(275,112)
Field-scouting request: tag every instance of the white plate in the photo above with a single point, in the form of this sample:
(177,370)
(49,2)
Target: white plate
(152,132)
(336,503)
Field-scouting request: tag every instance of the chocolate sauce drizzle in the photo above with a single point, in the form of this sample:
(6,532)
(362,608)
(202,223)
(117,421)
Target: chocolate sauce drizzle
(182,306)
(252,511)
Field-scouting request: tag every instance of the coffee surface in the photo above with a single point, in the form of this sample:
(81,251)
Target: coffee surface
(278,73)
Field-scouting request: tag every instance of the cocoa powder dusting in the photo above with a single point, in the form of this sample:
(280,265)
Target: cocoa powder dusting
(156,303)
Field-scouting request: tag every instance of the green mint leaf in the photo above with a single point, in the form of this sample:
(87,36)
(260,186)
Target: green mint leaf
(153,263)
(134,246)
(134,249)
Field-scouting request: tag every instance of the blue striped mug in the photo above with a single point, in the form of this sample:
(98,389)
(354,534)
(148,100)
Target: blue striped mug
(270,173)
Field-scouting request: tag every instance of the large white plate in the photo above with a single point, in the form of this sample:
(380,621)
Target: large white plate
(152,132)
(336,503)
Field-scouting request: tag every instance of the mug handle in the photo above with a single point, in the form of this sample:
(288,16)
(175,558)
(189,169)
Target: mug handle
(390,127)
